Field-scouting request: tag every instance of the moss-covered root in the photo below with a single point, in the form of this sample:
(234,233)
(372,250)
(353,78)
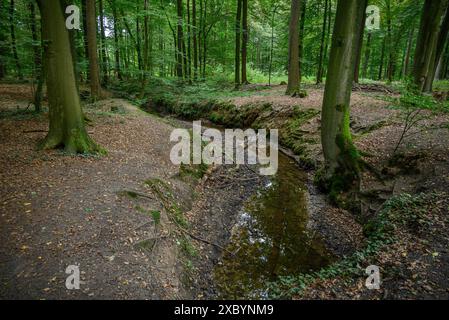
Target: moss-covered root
(75,142)
(342,182)
(297,93)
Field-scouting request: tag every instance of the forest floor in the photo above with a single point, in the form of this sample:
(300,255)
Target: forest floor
(116,216)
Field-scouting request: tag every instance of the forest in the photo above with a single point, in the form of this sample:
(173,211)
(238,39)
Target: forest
(354,95)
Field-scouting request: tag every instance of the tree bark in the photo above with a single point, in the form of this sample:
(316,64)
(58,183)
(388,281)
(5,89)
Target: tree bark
(85,32)
(179,56)
(67,128)
(94,71)
(293,45)
(238,30)
(13,40)
(360,43)
(37,55)
(118,71)
(341,172)
(103,44)
(244,40)
(3,40)
(195,41)
(367,56)
(405,70)
(301,37)
(425,52)
(319,76)
(382,58)
(442,38)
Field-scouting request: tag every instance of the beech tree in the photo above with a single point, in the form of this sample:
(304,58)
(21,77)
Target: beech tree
(426,46)
(94,70)
(67,128)
(341,171)
(293,87)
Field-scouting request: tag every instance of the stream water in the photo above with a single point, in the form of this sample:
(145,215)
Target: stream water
(271,238)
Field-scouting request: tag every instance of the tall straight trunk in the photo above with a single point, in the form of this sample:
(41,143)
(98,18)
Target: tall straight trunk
(195,41)
(204,41)
(13,40)
(293,50)
(189,43)
(3,41)
(139,47)
(301,37)
(179,40)
(238,23)
(319,76)
(391,45)
(341,172)
(244,40)
(426,45)
(382,58)
(367,56)
(360,43)
(117,32)
(442,38)
(145,50)
(94,71)
(271,47)
(66,117)
(329,30)
(405,70)
(136,40)
(37,55)
(103,44)
(85,38)
(200,37)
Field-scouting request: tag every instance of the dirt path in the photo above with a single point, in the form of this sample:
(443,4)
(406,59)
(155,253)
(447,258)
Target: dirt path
(57,210)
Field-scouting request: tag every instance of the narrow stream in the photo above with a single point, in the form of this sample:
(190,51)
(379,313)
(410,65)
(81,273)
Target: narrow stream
(271,238)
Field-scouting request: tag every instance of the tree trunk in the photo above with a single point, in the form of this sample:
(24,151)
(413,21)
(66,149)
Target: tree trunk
(293,50)
(86,41)
(189,43)
(442,37)
(391,46)
(367,56)
(405,70)
(145,50)
(245,40)
(301,37)
(13,40)
(204,42)
(37,55)
(238,30)
(360,43)
(270,68)
(179,40)
(3,41)
(341,172)
(66,117)
(103,44)
(319,76)
(118,72)
(382,58)
(195,41)
(426,45)
(91,22)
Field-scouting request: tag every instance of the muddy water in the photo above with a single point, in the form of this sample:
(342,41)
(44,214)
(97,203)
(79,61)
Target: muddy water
(271,238)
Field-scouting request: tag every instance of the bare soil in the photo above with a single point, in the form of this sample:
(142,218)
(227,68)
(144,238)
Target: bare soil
(58,210)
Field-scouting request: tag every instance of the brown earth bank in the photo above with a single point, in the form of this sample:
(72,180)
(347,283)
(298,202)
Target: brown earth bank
(142,228)
(399,163)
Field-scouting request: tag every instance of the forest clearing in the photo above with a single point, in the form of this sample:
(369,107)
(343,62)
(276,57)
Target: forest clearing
(88,181)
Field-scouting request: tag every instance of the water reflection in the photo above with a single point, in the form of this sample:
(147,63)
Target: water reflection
(271,238)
